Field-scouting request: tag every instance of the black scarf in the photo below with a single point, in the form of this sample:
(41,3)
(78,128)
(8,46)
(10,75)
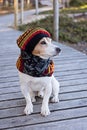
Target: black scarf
(34,65)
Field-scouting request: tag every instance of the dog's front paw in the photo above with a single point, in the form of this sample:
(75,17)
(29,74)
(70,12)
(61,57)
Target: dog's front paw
(55,99)
(45,111)
(28,109)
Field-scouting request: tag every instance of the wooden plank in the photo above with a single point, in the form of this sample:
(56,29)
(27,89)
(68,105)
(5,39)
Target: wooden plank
(62,96)
(57,66)
(70,72)
(73,82)
(72,61)
(72,124)
(57,58)
(32,119)
(12,103)
(61,78)
(18,110)
(62,104)
(57,61)
(61,56)
(64,89)
(72,66)
(57,73)
(62,82)
(9,79)
(72,96)
(9,84)
(75,88)
(8,90)
(71,77)
(11,96)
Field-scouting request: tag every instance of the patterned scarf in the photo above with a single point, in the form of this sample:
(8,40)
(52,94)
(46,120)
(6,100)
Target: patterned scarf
(34,66)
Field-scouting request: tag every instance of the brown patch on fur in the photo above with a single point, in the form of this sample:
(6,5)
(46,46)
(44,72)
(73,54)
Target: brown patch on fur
(39,49)
(35,52)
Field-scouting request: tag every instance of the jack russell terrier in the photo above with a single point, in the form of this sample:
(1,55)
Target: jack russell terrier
(36,68)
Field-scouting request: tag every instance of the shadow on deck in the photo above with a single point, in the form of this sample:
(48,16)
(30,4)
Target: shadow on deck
(71,71)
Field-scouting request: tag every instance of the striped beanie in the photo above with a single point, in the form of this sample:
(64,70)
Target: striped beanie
(29,39)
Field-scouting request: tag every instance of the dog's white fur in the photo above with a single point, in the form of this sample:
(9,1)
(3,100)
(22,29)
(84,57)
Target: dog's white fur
(44,85)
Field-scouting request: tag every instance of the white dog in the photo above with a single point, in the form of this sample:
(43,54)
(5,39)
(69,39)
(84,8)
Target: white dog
(44,85)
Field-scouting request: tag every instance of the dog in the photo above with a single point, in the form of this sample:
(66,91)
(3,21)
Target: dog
(36,68)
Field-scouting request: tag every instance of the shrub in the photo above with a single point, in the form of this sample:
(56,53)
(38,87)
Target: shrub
(76,3)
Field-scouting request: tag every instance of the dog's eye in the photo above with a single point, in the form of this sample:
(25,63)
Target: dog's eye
(43,43)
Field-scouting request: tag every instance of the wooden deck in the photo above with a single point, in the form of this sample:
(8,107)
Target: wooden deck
(71,71)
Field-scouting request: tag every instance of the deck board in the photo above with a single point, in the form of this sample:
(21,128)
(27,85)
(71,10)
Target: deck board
(71,71)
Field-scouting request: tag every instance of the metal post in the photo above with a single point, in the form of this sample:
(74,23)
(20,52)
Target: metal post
(56,20)
(15,13)
(21,13)
(36,5)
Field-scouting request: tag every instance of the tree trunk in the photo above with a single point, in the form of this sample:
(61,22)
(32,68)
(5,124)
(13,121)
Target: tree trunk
(67,3)
(56,20)
(36,5)
(21,13)
(15,13)
(28,2)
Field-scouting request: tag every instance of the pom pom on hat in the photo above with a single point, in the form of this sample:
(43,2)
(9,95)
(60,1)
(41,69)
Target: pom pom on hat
(29,39)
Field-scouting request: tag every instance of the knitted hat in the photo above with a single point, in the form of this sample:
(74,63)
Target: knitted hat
(28,40)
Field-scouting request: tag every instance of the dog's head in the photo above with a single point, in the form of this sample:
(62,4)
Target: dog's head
(38,42)
(45,48)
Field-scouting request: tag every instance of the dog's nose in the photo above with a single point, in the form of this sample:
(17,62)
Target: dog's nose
(58,50)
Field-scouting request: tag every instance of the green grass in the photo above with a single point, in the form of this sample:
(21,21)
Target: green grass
(77,3)
(69,31)
(81,9)
(72,32)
